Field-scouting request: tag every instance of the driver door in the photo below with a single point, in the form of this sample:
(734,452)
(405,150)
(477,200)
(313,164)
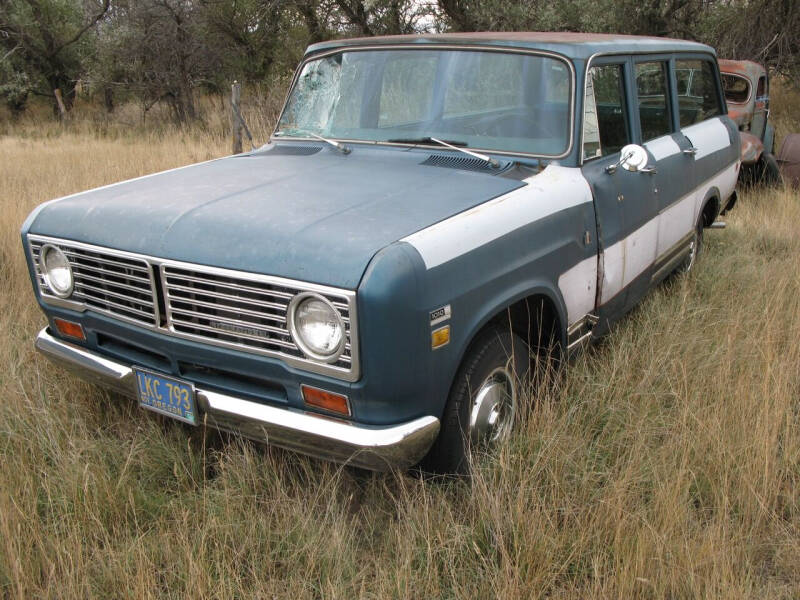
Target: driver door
(625,202)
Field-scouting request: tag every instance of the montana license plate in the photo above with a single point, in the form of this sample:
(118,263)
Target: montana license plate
(166,395)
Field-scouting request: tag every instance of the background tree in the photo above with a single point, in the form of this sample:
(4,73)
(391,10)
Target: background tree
(45,41)
(167,51)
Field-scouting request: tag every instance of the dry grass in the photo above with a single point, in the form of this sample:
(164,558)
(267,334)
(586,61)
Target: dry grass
(666,465)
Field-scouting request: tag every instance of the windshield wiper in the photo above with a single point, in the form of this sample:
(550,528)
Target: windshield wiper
(338,145)
(452,144)
(423,140)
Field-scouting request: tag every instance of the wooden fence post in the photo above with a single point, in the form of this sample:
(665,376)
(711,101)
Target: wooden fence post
(62,110)
(236,123)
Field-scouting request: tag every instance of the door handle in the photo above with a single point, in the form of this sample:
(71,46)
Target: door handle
(650,170)
(690,151)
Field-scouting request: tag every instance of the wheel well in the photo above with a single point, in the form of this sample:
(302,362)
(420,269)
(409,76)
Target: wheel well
(710,211)
(534,319)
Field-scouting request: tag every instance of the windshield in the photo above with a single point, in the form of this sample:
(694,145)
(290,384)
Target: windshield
(479,99)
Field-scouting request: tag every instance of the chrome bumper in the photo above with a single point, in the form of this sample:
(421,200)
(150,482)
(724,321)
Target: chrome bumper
(369,447)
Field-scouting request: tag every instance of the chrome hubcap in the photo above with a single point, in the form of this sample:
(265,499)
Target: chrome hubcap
(493,408)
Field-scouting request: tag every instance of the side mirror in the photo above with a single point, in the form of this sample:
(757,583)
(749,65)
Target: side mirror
(632,157)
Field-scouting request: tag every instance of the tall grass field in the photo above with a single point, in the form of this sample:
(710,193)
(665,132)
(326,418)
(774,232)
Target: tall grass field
(664,464)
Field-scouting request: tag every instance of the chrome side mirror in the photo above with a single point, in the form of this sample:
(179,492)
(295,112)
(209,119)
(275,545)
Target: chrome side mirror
(632,157)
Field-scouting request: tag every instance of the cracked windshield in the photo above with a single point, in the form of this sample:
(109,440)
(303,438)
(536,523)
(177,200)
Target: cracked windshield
(475,99)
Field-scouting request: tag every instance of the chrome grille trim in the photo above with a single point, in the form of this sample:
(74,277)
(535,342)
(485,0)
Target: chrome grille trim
(221,307)
(107,281)
(122,285)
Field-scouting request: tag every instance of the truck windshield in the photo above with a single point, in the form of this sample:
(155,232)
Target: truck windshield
(489,100)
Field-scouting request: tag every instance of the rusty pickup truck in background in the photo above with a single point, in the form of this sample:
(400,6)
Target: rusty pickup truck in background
(746,87)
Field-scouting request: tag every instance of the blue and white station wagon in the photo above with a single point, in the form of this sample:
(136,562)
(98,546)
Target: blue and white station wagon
(378,283)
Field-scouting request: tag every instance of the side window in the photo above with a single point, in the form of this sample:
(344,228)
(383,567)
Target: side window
(737,89)
(605,126)
(762,87)
(651,87)
(700,101)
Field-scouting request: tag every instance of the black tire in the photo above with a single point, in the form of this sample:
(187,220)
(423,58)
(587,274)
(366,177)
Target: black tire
(765,172)
(494,348)
(696,248)
(770,173)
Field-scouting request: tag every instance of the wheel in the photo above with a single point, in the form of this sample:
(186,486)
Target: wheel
(764,172)
(695,247)
(484,400)
(769,172)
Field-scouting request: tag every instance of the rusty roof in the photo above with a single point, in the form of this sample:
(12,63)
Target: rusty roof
(746,68)
(571,44)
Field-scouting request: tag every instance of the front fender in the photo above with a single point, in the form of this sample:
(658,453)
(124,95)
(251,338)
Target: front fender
(751,148)
(509,297)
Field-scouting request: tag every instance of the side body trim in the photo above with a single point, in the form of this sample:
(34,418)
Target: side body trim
(553,190)
(621,262)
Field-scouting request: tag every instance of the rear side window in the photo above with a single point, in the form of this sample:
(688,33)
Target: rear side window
(699,101)
(762,87)
(651,87)
(605,125)
(737,89)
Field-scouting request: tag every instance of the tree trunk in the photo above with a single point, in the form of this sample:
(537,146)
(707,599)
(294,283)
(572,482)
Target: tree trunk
(62,110)
(108,99)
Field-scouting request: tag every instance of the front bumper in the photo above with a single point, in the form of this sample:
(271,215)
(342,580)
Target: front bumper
(379,448)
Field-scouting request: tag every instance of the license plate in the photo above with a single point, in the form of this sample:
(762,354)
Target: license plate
(166,395)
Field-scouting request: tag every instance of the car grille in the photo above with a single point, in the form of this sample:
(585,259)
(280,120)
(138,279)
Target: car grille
(106,282)
(244,311)
(233,309)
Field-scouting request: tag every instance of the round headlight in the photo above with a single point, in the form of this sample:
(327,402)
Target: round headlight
(316,327)
(56,270)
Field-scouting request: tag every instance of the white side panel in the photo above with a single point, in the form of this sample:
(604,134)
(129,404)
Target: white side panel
(578,286)
(724,181)
(676,221)
(708,137)
(551,191)
(613,271)
(640,251)
(663,147)
(629,257)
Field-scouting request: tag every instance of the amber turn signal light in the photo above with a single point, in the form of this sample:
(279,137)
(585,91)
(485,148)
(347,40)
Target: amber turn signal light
(440,337)
(326,400)
(70,329)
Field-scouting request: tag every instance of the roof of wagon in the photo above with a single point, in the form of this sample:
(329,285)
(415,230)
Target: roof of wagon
(574,45)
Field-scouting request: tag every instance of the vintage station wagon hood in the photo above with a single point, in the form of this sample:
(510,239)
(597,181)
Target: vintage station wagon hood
(298,211)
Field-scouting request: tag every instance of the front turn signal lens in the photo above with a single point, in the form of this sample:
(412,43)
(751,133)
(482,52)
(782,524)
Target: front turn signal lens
(440,337)
(70,329)
(317,398)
